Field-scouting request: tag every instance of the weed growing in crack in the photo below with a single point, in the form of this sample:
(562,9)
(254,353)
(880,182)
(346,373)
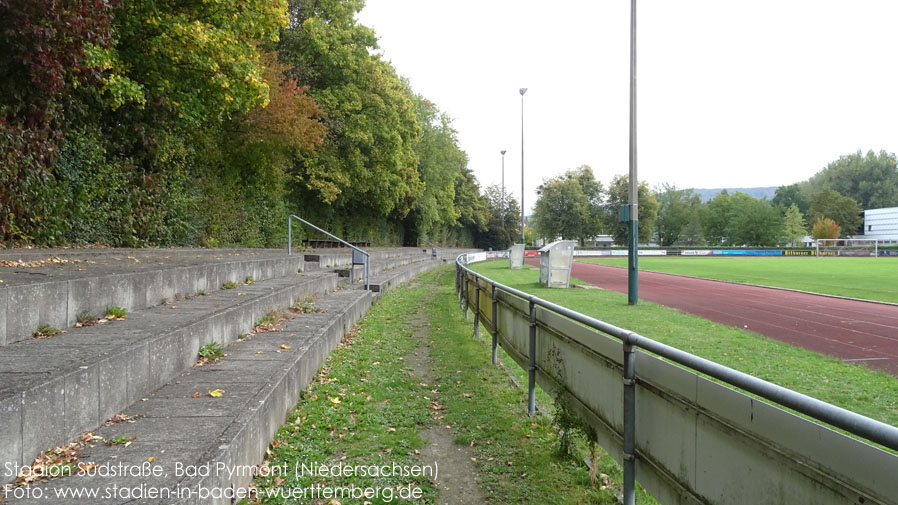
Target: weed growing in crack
(46,331)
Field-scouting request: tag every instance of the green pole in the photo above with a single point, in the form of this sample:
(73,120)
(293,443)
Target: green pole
(632,263)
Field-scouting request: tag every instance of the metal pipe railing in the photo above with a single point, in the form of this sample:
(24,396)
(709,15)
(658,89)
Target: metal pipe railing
(852,422)
(331,235)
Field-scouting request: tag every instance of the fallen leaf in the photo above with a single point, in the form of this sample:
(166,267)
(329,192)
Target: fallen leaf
(196,395)
(285,346)
(216,393)
(174,306)
(151,459)
(335,401)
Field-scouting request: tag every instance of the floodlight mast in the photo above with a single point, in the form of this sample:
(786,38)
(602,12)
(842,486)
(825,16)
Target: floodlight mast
(503,175)
(633,241)
(522,91)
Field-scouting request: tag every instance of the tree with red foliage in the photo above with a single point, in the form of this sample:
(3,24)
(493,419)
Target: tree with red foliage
(47,52)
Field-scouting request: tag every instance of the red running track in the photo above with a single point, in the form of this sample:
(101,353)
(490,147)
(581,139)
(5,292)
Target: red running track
(850,330)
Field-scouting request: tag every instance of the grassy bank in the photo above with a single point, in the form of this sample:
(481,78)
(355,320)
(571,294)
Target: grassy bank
(865,278)
(853,387)
(368,407)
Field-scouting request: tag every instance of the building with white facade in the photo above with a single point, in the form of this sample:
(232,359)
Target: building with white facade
(881,224)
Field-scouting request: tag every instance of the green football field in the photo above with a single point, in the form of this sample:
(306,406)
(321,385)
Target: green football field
(865,278)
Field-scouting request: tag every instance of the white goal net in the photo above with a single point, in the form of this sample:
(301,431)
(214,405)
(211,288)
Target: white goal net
(847,247)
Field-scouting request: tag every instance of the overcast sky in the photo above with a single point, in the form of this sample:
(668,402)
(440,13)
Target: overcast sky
(730,94)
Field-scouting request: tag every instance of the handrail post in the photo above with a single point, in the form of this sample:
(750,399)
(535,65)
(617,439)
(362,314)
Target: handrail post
(465,289)
(331,235)
(495,324)
(476,307)
(531,372)
(629,452)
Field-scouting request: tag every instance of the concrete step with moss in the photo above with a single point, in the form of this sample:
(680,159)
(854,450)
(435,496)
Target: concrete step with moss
(53,287)
(388,279)
(218,436)
(340,260)
(56,388)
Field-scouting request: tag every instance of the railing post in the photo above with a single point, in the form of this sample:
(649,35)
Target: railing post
(531,371)
(465,289)
(289,235)
(476,307)
(629,455)
(367,279)
(495,328)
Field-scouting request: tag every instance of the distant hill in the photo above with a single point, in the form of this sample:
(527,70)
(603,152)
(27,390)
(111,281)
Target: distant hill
(708,194)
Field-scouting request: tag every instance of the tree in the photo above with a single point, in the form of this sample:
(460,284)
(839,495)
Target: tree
(871,180)
(504,223)
(677,207)
(474,211)
(692,234)
(618,195)
(569,206)
(368,158)
(441,161)
(200,59)
(753,222)
(46,57)
(290,126)
(844,210)
(786,196)
(561,210)
(716,219)
(825,227)
(595,195)
(794,225)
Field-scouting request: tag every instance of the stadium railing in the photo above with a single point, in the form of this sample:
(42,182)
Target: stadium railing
(657,411)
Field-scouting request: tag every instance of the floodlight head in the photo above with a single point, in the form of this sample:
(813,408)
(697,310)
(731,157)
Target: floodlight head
(503,152)
(523,90)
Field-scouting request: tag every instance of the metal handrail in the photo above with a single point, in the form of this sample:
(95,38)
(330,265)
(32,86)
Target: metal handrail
(432,246)
(852,422)
(856,424)
(331,235)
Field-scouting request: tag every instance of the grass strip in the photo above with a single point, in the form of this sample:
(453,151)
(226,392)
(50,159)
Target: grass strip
(365,408)
(851,386)
(518,457)
(863,278)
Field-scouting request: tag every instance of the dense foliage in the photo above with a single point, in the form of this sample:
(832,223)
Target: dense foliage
(172,123)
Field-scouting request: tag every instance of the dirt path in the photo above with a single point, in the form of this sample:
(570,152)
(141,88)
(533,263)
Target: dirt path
(455,478)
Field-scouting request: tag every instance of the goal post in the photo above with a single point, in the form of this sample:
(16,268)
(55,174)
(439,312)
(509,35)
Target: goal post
(852,247)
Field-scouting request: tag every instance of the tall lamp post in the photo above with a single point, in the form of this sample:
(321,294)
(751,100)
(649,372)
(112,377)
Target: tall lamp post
(633,246)
(523,90)
(503,175)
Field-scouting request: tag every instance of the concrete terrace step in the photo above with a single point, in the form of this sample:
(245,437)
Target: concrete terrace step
(262,378)
(52,390)
(56,293)
(381,258)
(386,280)
(389,279)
